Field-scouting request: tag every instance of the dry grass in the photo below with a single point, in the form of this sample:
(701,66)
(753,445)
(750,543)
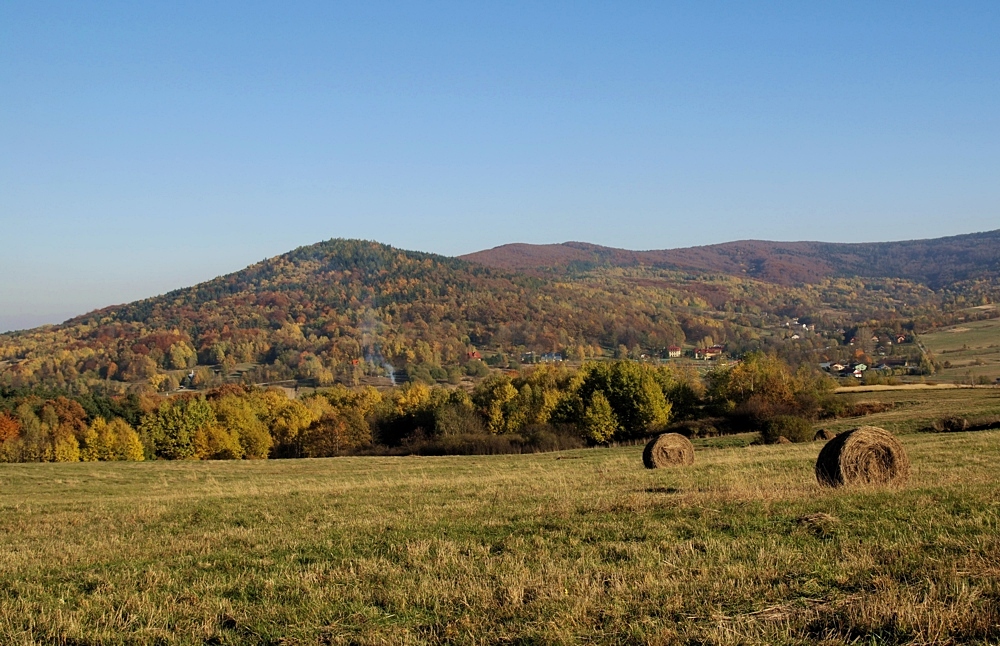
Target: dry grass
(578,547)
(913,411)
(970,348)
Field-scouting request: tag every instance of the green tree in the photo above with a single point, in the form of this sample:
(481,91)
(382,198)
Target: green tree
(244,417)
(35,441)
(494,397)
(214,442)
(169,431)
(683,389)
(334,433)
(182,356)
(633,393)
(764,377)
(599,422)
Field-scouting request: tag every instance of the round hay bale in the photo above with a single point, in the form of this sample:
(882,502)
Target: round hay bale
(668,450)
(824,434)
(783,440)
(866,455)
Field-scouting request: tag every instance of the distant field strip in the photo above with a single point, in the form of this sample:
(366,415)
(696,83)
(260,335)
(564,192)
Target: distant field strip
(883,388)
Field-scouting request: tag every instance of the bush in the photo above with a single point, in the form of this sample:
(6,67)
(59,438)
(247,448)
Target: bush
(705,427)
(421,373)
(860,409)
(541,438)
(795,429)
(537,438)
(959,424)
(480,444)
(476,368)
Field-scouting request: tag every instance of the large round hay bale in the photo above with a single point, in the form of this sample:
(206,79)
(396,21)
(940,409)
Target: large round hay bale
(824,434)
(668,450)
(866,455)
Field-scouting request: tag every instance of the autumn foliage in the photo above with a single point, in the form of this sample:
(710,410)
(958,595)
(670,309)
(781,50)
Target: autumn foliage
(539,408)
(343,310)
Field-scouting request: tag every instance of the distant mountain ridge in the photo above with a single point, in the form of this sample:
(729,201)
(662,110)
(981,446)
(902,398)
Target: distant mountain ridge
(934,262)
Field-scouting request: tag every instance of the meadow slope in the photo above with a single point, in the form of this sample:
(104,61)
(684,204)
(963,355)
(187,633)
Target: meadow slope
(575,547)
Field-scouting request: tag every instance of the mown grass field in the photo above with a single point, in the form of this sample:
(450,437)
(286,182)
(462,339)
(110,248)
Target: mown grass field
(575,547)
(914,410)
(971,349)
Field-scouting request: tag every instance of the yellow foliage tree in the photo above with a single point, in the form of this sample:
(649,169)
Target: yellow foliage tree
(243,416)
(65,448)
(213,442)
(290,419)
(111,441)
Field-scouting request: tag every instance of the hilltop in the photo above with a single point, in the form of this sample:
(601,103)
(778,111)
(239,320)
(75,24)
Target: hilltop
(936,263)
(344,310)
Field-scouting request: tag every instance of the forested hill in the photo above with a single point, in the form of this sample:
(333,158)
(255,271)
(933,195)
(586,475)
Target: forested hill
(331,311)
(342,310)
(936,263)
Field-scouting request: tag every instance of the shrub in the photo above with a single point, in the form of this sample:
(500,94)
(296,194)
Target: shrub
(795,429)
(476,368)
(860,409)
(538,438)
(704,427)
(958,424)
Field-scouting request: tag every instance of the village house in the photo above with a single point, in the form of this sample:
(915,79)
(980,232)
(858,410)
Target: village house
(674,351)
(708,353)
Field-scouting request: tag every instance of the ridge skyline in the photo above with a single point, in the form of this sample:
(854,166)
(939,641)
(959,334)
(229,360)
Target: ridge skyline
(527,257)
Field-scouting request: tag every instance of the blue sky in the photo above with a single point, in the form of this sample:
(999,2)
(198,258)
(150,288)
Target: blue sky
(148,146)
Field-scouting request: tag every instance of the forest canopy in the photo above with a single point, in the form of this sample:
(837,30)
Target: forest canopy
(342,310)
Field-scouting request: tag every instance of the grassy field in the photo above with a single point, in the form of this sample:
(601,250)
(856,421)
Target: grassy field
(970,349)
(575,547)
(914,410)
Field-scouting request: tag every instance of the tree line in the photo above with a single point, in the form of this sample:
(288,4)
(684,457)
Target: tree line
(538,408)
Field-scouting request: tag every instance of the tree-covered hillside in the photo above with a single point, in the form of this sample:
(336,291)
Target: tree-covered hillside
(343,309)
(937,263)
